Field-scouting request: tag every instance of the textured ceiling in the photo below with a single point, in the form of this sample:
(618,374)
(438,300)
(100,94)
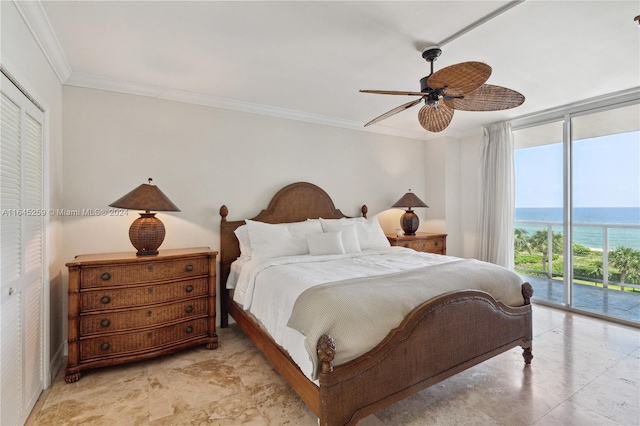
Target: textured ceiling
(309,59)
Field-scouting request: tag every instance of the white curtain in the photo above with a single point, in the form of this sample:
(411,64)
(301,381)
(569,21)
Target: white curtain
(497,196)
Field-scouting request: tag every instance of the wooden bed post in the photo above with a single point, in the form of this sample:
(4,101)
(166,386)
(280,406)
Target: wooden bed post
(224,293)
(527,293)
(326,348)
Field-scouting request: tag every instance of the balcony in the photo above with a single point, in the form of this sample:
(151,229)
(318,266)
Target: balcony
(596,290)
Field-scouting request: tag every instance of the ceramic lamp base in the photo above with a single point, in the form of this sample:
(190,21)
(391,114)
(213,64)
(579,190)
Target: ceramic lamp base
(147,234)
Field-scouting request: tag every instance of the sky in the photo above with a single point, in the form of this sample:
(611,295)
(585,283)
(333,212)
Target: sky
(606,173)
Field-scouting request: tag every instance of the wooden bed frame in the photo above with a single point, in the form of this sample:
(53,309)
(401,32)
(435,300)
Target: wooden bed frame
(444,335)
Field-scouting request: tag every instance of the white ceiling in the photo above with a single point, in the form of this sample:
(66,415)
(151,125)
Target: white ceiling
(307,60)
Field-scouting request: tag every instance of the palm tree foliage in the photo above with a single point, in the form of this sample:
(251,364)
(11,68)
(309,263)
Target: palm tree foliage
(624,262)
(625,259)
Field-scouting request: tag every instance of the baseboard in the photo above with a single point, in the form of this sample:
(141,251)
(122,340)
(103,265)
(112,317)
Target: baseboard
(57,362)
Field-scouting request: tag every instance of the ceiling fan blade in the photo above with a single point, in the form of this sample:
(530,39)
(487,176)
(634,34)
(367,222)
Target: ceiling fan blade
(460,79)
(435,119)
(488,98)
(394,111)
(393,92)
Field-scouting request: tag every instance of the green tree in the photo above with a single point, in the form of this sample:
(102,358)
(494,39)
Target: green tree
(521,240)
(625,259)
(538,243)
(596,269)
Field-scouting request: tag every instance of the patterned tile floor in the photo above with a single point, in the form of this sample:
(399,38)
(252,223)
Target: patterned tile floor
(585,372)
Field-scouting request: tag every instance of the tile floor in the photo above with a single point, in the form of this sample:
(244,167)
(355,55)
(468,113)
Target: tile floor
(585,372)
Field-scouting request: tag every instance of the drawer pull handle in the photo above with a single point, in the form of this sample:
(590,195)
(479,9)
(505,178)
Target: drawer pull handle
(436,244)
(189,288)
(149,313)
(105,323)
(105,346)
(189,329)
(105,277)
(188,309)
(105,300)
(189,268)
(406,245)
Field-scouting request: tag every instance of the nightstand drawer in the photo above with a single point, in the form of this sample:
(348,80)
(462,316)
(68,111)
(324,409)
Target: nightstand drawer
(422,241)
(107,321)
(142,340)
(435,245)
(112,275)
(143,295)
(416,245)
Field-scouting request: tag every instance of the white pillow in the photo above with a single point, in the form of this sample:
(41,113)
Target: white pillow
(242,233)
(349,233)
(282,239)
(325,243)
(370,234)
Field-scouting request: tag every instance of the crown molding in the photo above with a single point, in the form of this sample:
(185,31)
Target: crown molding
(148,90)
(39,25)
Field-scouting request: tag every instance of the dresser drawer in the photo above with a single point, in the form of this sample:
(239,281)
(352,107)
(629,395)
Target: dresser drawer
(108,321)
(142,340)
(143,295)
(112,275)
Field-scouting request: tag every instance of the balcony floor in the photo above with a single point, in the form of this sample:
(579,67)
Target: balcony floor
(619,304)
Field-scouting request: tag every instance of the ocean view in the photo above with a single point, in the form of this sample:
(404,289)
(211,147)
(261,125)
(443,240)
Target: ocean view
(589,236)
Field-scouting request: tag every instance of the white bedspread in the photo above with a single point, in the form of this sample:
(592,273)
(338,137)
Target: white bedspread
(268,288)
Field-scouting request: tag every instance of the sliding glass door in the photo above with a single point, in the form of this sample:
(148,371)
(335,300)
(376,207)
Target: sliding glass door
(577,231)
(606,212)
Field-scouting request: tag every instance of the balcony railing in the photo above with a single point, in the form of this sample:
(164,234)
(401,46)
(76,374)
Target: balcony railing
(605,248)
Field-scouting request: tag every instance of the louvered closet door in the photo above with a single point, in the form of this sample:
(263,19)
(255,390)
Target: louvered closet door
(21,255)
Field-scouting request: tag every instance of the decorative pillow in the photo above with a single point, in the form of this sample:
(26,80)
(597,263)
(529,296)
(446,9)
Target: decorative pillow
(282,239)
(242,233)
(325,243)
(370,234)
(349,233)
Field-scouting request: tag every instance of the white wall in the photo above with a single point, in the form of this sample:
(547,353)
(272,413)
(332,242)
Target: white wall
(470,152)
(203,157)
(443,191)
(22,57)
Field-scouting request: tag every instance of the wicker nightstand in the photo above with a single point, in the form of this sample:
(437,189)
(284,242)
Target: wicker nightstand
(422,241)
(124,307)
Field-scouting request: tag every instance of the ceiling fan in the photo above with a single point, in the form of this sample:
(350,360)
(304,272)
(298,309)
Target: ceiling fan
(460,86)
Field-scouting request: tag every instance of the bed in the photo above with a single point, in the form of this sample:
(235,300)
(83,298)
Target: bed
(444,335)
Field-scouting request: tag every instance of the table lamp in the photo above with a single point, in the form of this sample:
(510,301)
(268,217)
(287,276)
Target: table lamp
(146,232)
(409,220)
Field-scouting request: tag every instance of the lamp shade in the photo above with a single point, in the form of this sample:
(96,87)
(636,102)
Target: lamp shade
(409,220)
(409,200)
(146,197)
(146,232)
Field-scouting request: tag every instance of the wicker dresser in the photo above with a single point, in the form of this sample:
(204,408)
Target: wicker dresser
(422,241)
(124,307)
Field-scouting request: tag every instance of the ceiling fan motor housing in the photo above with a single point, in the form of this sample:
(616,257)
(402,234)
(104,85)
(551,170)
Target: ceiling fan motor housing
(424,87)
